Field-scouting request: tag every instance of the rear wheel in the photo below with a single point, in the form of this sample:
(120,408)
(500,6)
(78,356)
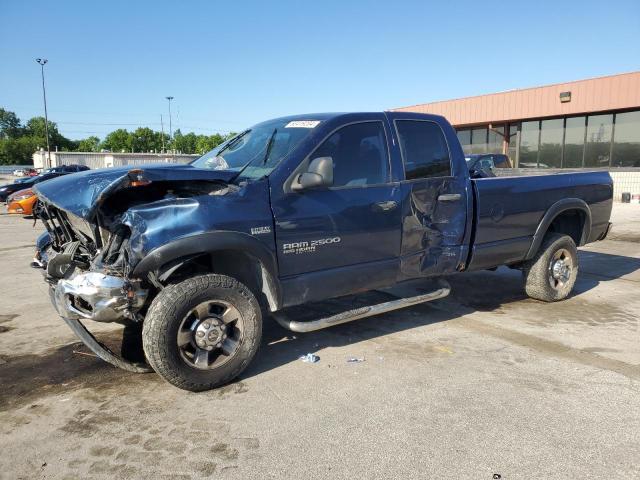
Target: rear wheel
(551,274)
(203,332)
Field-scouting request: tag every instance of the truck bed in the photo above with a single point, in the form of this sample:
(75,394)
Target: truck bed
(509,210)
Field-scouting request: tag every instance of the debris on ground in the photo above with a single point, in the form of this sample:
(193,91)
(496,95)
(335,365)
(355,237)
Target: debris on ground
(84,353)
(310,358)
(355,360)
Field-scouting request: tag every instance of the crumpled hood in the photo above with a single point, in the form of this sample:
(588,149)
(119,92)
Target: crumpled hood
(82,193)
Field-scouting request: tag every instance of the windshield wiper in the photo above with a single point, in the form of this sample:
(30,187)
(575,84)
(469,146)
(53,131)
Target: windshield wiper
(233,141)
(269,145)
(264,160)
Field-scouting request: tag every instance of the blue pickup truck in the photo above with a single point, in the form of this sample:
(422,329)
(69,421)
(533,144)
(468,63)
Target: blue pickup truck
(290,211)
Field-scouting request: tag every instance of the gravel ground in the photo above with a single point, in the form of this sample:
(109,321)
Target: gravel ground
(483,382)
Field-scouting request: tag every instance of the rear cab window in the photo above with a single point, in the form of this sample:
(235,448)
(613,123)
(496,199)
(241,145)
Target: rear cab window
(425,153)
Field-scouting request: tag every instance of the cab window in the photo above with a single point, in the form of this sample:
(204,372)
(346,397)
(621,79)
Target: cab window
(424,149)
(359,154)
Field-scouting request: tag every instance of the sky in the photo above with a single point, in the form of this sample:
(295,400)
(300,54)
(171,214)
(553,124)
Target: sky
(230,64)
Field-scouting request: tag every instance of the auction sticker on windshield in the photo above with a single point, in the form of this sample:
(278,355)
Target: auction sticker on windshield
(302,124)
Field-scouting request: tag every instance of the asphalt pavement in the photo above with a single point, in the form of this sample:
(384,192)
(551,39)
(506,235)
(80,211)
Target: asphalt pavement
(485,382)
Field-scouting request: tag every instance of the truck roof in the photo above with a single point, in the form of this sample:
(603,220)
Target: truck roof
(334,115)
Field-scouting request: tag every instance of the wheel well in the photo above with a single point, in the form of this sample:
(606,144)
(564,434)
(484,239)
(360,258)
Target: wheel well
(240,265)
(569,222)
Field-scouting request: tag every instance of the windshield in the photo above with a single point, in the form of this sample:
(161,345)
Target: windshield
(255,152)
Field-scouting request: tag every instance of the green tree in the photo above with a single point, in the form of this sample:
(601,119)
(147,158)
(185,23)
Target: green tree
(17,151)
(9,125)
(205,143)
(146,140)
(184,143)
(90,144)
(36,128)
(118,141)
(18,142)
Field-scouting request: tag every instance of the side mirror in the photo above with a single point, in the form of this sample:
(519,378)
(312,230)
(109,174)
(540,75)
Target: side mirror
(479,173)
(318,174)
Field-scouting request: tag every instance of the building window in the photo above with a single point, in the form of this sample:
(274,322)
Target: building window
(598,148)
(551,143)
(479,140)
(465,140)
(496,139)
(573,142)
(424,149)
(514,129)
(626,140)
(529,135)
(603,140)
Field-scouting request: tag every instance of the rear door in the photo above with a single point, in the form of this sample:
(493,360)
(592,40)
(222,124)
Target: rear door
(354,222)
(435,199)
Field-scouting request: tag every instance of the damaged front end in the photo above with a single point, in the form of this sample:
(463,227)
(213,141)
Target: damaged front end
(86,254)
(82,284)
(81,288)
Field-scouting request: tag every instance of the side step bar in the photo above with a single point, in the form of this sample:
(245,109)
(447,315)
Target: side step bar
(362,312)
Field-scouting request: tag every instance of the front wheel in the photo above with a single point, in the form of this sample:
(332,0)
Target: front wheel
(552,273)
(203,332)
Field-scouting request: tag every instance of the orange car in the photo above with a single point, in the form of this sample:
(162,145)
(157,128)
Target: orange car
(22,202)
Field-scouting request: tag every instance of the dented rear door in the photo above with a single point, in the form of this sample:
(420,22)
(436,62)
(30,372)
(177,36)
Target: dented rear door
(436,202)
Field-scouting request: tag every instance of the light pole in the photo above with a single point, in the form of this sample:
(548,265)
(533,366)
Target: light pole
(42,62)
(170,129)
(162,128)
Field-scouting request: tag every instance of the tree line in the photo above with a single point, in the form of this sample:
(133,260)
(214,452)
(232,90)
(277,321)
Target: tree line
(19,141)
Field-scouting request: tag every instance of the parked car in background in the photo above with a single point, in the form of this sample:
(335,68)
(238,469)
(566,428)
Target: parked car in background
(24,172)
(22,202)
(23,183)
(22,179)
(66,169)
(487,162)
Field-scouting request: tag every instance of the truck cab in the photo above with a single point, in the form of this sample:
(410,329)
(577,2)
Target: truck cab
(394,206)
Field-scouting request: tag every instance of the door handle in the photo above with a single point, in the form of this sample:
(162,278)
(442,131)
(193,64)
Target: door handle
(386,206)
(449,197)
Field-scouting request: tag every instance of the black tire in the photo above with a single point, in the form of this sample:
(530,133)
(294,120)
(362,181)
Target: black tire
(540,277)
(166,319)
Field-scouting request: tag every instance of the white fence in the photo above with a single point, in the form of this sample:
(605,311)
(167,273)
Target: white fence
(108,159)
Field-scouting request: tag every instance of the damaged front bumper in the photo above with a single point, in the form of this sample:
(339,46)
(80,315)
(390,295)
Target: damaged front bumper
(103,298)
(82,288)
(97,296)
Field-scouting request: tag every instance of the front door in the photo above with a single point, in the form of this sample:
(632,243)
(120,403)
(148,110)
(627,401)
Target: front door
(354,222)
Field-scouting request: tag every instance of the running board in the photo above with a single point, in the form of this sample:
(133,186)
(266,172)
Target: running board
(362,312)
